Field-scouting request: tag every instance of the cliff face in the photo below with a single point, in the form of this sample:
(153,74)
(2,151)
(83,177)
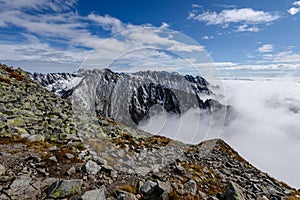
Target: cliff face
(48,151)
(129,97)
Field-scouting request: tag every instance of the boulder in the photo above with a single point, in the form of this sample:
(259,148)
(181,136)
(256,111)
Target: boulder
(92,168)
(2,169)
(151,191)
(233,192)
(63,188)
(98,194)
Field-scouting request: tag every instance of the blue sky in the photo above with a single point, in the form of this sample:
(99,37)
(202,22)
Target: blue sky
(241,37)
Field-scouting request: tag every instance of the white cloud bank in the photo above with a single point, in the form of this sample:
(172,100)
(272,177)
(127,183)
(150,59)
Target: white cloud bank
(266,131)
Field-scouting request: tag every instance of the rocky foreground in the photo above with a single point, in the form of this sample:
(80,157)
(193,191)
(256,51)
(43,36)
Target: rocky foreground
(48,151)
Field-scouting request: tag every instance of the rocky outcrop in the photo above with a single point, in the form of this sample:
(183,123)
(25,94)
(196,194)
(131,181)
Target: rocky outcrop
(32,111)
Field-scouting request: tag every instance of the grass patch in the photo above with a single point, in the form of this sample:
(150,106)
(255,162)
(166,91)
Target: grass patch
(127,188)
(4,79)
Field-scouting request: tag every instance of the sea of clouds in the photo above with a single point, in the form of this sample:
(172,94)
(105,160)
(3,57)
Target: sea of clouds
(265,131)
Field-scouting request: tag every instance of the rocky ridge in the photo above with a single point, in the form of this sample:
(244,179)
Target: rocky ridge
(129,97)
(50,152)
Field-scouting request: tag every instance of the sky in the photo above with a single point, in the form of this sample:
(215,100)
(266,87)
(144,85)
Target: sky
(241,38)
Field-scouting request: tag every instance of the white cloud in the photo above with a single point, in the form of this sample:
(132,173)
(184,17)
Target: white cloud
(267,124)
(58,5)
(243,15)
(107,22)
(207,37)
(286,57)
(293,10)
(280,57)
(266,48)
(246,28)
(165,25)
(194,5)
(296,3)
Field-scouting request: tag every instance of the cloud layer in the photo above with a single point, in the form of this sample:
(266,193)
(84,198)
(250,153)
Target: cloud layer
(243,16)
(266,131)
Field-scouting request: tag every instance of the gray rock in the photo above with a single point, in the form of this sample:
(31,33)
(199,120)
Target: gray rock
(64,188)
(98,194)
(233,192)
(53,158)
(2,169)
(100,161)
(4,197)
(143,171)
(107,168)
(179,169)
(69,156)
(150,191)
(165,186)
(122,195)
(191,187)
(21,188)
(36,138)
(262,198)
(92,168)
(71,171)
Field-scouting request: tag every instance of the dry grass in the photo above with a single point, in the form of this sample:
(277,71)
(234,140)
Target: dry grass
(18,77)
(127,188)
(4,79)
(213,184)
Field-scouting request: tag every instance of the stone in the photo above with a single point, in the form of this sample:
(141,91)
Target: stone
(99,161)
(98,194)
(69,156)
(179,169)
(150,190)
(71,171)
(17,122)
(122,195)
(92,168)
(53,148)
(107,168)
(4,197)
(53,158)
(35,158)
(262,198)
(165,186)
(21,131)
(143,171)
(64,188)
(2,170)
(21,188)
(191,187)
(233,192)
(114,174)
(36,138)
(202,195)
